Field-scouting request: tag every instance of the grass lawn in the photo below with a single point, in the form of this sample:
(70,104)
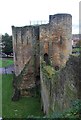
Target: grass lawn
(6,62)
(76,49)
(0,95)
(23,108)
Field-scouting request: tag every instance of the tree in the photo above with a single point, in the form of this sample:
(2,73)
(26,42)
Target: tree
(7,47)
(0,43)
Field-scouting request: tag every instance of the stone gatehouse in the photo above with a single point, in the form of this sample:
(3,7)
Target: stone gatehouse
(50,43)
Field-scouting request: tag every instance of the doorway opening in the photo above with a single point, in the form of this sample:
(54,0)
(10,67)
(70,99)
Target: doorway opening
(46,59)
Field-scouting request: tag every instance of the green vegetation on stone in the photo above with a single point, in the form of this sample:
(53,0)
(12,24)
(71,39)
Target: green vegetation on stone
(50,71)
(47,70)
(72,113)
(26,106)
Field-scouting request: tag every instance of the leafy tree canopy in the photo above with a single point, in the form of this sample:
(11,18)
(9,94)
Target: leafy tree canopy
(7,47)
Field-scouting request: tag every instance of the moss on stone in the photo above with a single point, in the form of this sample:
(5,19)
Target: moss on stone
(56,106)
(48,70)
(70,93)
(63,85)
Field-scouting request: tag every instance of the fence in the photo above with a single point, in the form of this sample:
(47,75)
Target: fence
(38,22)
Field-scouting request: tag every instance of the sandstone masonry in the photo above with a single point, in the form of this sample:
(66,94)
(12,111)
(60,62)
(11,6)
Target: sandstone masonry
(51,42)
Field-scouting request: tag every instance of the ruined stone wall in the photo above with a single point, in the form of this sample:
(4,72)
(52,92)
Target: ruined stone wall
(61,37)
(55,38)
(36,50)
(22,46)
(60,88)
(25,45)
(26,57)
(44,39)
(33,42)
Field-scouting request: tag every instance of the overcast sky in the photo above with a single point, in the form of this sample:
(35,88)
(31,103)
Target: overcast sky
(20,12)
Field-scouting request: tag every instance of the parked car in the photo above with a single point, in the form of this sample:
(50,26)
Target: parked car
(3,55)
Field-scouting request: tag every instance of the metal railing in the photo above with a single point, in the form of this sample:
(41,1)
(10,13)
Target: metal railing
(38,22)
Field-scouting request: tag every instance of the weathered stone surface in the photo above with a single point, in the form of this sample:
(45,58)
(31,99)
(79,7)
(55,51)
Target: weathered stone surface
(58,77)
(26,56)
(60,88)
(22,46)
(54,37)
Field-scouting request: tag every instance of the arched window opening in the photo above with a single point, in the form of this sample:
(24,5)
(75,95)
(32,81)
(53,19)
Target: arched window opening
(16,38)
(61,40)
(22,40)
(16,56)
(46,58)
(37,82)
(27,40)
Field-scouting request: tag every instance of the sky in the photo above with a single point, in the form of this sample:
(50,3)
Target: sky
(21,12)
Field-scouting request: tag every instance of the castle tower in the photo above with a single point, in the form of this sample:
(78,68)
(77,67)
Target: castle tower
(26,55)
(22,46)
(56,45)
(52,40)
(60,38)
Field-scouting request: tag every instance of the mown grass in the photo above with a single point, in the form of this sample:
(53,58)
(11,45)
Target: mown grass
(6,62)
(0,95)
(26,106)
(76,49)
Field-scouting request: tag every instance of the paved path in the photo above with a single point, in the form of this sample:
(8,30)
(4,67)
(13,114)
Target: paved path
(0,118)
(7,70)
